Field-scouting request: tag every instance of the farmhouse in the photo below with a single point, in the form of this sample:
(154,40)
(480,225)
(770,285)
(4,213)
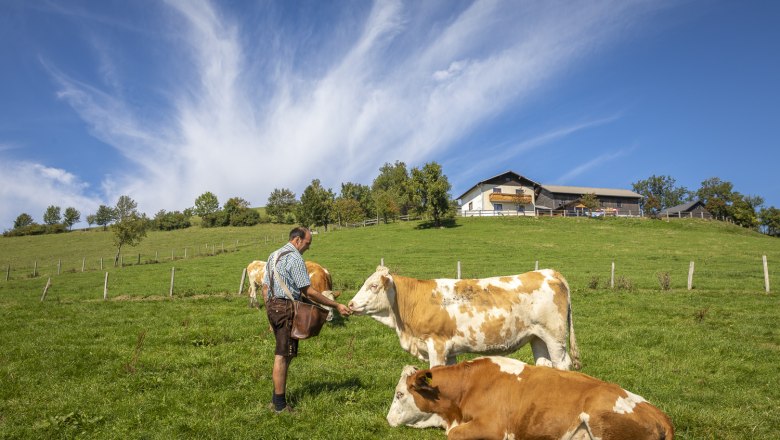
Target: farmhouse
(512,194)
(693,209)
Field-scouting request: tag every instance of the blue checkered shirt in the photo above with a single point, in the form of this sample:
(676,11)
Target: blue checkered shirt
(292,271)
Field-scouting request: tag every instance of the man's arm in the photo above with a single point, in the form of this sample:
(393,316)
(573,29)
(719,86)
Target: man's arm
(319,298)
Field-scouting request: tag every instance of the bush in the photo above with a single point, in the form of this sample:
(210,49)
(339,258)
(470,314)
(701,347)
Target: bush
(623,283)
(665,280)
(593,283)
(168,221)
(245,217)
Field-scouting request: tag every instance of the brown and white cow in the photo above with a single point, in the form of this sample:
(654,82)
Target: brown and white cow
(503,398)
(438,319)
(318,275)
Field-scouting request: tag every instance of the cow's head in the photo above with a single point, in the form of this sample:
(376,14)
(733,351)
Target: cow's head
(404,411)
(376,296)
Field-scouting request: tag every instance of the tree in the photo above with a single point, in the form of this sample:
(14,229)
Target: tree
(361,194)
(744,210)
(316,205)
(717,196)
(72,216)
(385,204)
(394,181)
(104,216)
(770,220)
(663,192)
(206,204)
(347,210)
(23,220)
(52,215)
(168,221)
(590,201)
(91,220)
(124,208)
(238,213)
(281,203)
(129,231)
(430,192)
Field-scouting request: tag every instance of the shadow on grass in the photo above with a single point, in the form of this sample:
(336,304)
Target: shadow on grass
(447,223)
(317,388)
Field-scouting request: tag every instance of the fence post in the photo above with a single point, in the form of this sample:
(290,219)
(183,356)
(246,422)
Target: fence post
(46,289)
(35,269)
(139,258)
(185,253)
(382,262)
(59,266)
(83,263)
(612,277)
(458,269)
(101,263)
(173,272)
(172,254)
(8,272)
(536,266)
(105,285)
(690,276)
(241,286)
(766,275)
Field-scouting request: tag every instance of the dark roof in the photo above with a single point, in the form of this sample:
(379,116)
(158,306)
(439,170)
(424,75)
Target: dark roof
(501,178)
(580,190)
(685,207)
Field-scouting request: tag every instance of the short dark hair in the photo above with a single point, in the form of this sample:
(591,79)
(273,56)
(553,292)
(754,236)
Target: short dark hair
(298,231)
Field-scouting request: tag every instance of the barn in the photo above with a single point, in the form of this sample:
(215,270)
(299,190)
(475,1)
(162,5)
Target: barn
(509,193)
(693,209)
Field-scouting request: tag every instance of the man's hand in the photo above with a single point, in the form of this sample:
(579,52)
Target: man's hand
(344,310)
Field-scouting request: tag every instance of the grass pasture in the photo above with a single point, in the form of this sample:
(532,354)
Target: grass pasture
(198,365)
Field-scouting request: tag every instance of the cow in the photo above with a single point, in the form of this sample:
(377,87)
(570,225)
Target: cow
(319,276)
(438,319)
(503,398)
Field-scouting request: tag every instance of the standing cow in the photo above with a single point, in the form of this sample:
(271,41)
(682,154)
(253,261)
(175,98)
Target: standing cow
(502,398)
(438,319)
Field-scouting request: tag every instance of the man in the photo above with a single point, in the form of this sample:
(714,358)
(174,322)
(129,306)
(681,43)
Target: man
(286,265)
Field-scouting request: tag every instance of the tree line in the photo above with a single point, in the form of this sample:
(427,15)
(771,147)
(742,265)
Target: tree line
(718,197)
(396,191)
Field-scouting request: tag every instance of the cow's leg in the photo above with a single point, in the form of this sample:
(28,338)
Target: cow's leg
(252,294)
(541,354)
(437,353)
(452,359)
(474,429)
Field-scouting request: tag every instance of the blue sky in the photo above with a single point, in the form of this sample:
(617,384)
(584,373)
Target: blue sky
(163,100)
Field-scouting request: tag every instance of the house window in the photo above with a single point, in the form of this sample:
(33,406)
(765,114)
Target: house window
(471,206)
(498,207)
(497,190)
(519,191)
(619,204)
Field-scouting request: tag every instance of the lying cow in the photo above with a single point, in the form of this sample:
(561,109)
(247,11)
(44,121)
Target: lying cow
(319,276)
(438,319)
(501,398)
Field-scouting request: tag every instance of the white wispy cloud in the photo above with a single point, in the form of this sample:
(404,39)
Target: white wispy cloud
(592,164)
(27,187)
(240,121)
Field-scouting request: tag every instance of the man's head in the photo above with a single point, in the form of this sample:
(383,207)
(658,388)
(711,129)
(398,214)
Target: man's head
(300,238)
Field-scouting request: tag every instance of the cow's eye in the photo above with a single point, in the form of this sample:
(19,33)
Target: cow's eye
(399,395)
(374,287)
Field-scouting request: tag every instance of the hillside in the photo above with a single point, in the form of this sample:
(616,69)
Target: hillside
(143,365)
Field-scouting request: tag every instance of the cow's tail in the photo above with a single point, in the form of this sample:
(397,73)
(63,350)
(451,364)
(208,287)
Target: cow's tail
(574,351)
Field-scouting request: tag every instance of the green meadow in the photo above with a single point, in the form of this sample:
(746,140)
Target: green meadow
(197,364)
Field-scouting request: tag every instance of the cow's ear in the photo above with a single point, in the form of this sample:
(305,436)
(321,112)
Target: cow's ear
(385,280)
(422,381)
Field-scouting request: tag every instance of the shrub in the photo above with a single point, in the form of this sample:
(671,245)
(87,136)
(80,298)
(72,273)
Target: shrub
(665,280)
(624,283)
(593,283)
